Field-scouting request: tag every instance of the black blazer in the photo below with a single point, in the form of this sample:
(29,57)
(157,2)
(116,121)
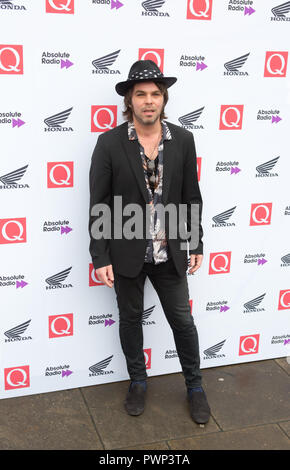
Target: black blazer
(116,170)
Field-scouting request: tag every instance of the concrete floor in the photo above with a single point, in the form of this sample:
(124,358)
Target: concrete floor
(249,402)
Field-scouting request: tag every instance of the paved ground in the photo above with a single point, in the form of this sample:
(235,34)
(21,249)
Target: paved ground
(250,410)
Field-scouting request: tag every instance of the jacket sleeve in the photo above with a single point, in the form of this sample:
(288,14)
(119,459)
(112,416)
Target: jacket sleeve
(100,177)
(191,195)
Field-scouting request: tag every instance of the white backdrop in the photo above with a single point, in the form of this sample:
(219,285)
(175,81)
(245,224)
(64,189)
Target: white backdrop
(59,331)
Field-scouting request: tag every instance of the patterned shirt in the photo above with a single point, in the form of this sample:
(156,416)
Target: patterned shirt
(157,246)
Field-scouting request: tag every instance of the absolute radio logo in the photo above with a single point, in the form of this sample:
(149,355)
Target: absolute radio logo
(281,12)
(257,258)
(233,66)
(220,263)
(63,370)
(194,61)
(12,118)
(11,59)
(241,6)
(60,174)
(152,7)
(105,319)
(271,115)
(261,213)
(56,58)
(199,9)
(112,3)
(13,230)
(233,167)
(220,306)
(11,5)
(59,6)
(276,64)
(156,55)
(249,344)
(264,169)
(187,121)
(60,226)
(221,220)
(16,377)
(231,117)
(10,180)
(60,325)
(13,280)
(54,123)
(103,118)
(103,64)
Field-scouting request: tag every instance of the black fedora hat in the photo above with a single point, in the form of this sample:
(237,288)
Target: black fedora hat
(143,70)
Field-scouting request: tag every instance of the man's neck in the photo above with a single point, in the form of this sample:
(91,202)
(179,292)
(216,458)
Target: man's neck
(147,131)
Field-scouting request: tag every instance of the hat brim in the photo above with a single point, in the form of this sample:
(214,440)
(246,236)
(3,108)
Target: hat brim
(122,87)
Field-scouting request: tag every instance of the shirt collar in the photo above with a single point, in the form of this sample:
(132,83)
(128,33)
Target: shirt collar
(166,134)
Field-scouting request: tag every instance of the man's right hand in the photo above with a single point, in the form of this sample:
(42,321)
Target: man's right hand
(106,275)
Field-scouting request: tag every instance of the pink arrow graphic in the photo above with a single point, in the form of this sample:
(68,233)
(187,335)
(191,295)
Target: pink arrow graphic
(235,169)
(262,261)
(109,322)
(65,63)
(276,119)
(116,4)
(249,11)
(21,284)
(200,66)
(66,373)
(65,230)
(17,122)
(224,308)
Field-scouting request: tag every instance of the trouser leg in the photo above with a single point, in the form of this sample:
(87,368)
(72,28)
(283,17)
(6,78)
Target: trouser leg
(173,293)
(130,299)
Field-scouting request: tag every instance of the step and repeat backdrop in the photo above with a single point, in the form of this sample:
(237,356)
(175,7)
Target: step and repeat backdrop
(59,63)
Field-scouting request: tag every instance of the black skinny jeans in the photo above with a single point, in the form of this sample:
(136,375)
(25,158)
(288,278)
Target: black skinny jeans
(173,293)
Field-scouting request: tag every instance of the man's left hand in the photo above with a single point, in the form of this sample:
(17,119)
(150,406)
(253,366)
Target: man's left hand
(195,263)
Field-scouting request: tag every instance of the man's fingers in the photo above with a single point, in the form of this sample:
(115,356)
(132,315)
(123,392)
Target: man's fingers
(105,275)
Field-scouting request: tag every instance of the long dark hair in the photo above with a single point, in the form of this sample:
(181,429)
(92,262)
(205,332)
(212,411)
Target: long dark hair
(128,114)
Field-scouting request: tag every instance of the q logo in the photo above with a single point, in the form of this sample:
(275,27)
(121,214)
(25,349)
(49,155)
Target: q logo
(199,9)
(16,377)
(60,174)
(231,117)
(11,60)
(198,164)
(275,64)
(60,6)
(249,344)
(60,325)
(147,357)
(103,118)
(156,55)
(284,299)
(12,231)
(220,263)
(93,278)
(261,213)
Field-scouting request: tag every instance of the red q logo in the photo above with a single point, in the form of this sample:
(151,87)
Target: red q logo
(219,263)
(12,231)
(16,377)
(60,325)
(231,117)
(198,163)
(249,344)
(261,213)
(275,64)
(60,6)
(93,278)
(147,357)
(156,55)
(60,174)
(199,9)
(284,299)
(11,60)
(103,118)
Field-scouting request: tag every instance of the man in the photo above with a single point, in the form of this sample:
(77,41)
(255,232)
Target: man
(150,163)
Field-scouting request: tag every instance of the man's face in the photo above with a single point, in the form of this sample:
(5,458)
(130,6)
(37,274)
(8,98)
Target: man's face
(147,103)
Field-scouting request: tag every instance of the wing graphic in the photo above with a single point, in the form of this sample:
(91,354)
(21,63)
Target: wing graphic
(105,61)
(223,216)
(57,119)
(13,176)
(17,330)
(152,5)
(266,167)
(101,365)
(189,118)
(235,64)
(254,302)
(213,350)
(281,10)
(58,278)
